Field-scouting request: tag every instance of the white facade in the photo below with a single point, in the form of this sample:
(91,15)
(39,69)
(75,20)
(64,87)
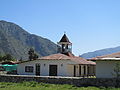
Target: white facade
(64,67)
(60,64)
(105,69)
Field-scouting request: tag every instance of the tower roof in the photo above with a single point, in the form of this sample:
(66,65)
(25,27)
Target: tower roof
(64,39)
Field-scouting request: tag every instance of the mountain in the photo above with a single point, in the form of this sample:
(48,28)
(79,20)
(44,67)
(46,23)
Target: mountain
(100,52)
(16,41)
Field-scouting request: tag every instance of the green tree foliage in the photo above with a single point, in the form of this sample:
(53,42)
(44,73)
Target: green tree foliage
(1,57)
(116,74)
(32,54)
(116,71)
(35,56)
(6,57)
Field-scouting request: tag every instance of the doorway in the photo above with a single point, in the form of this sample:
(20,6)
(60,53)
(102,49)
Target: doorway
(53,70)
(74,71)
(38,69)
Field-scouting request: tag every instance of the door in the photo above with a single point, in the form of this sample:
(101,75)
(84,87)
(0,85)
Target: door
(53,70)
(74,71)
(38,69)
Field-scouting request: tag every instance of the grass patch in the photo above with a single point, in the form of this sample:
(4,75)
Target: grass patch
(43,86)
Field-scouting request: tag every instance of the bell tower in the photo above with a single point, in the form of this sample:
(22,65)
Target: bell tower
(64,45)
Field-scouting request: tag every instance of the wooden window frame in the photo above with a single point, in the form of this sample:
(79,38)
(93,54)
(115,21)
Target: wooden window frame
(29,69)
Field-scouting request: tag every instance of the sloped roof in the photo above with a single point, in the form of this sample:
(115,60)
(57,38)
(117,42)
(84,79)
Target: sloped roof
(78,60)
(69,56)
(113,56)
(64,39)
(55,57)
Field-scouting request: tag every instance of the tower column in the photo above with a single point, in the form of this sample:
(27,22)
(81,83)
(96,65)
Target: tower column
(65,45)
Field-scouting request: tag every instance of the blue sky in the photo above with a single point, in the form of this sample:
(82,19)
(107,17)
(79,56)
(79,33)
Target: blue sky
(90,24)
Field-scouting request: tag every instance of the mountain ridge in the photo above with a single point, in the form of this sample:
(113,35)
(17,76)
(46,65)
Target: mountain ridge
(16,41)
(101,52)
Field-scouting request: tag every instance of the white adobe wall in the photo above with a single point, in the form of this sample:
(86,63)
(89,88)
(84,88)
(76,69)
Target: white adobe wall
(77,70)
(70,69)
(104,69)
(21,68)
(44,69)
(82,70)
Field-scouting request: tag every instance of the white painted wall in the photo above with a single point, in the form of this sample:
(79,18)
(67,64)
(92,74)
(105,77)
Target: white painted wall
(21,69)
(77,70)
(70,70)
(104,69)
(82,70)
(44,67)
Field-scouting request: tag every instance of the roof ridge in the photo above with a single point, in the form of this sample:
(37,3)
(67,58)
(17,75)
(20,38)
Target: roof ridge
(64,39)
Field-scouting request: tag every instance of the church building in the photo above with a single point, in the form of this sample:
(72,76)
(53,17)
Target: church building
(64,63)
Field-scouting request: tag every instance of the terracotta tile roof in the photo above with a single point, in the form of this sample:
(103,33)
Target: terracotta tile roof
(78,60)
(91,62)
(113,56)
(55,57)
(81,60)
(69,54)
(64,39)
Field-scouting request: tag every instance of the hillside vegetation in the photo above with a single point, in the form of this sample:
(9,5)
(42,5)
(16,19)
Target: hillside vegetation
(16,41)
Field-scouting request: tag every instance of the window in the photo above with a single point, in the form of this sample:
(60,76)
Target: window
(29,69)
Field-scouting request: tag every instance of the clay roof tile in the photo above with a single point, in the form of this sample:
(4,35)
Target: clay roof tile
(78,60)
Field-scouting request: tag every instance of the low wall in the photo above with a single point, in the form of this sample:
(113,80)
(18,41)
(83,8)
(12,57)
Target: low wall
(105,82)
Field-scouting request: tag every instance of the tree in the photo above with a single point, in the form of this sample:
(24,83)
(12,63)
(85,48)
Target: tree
(7,57)
(35,56)
(116,73)
(32,54)
(116,70)
(1,57)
